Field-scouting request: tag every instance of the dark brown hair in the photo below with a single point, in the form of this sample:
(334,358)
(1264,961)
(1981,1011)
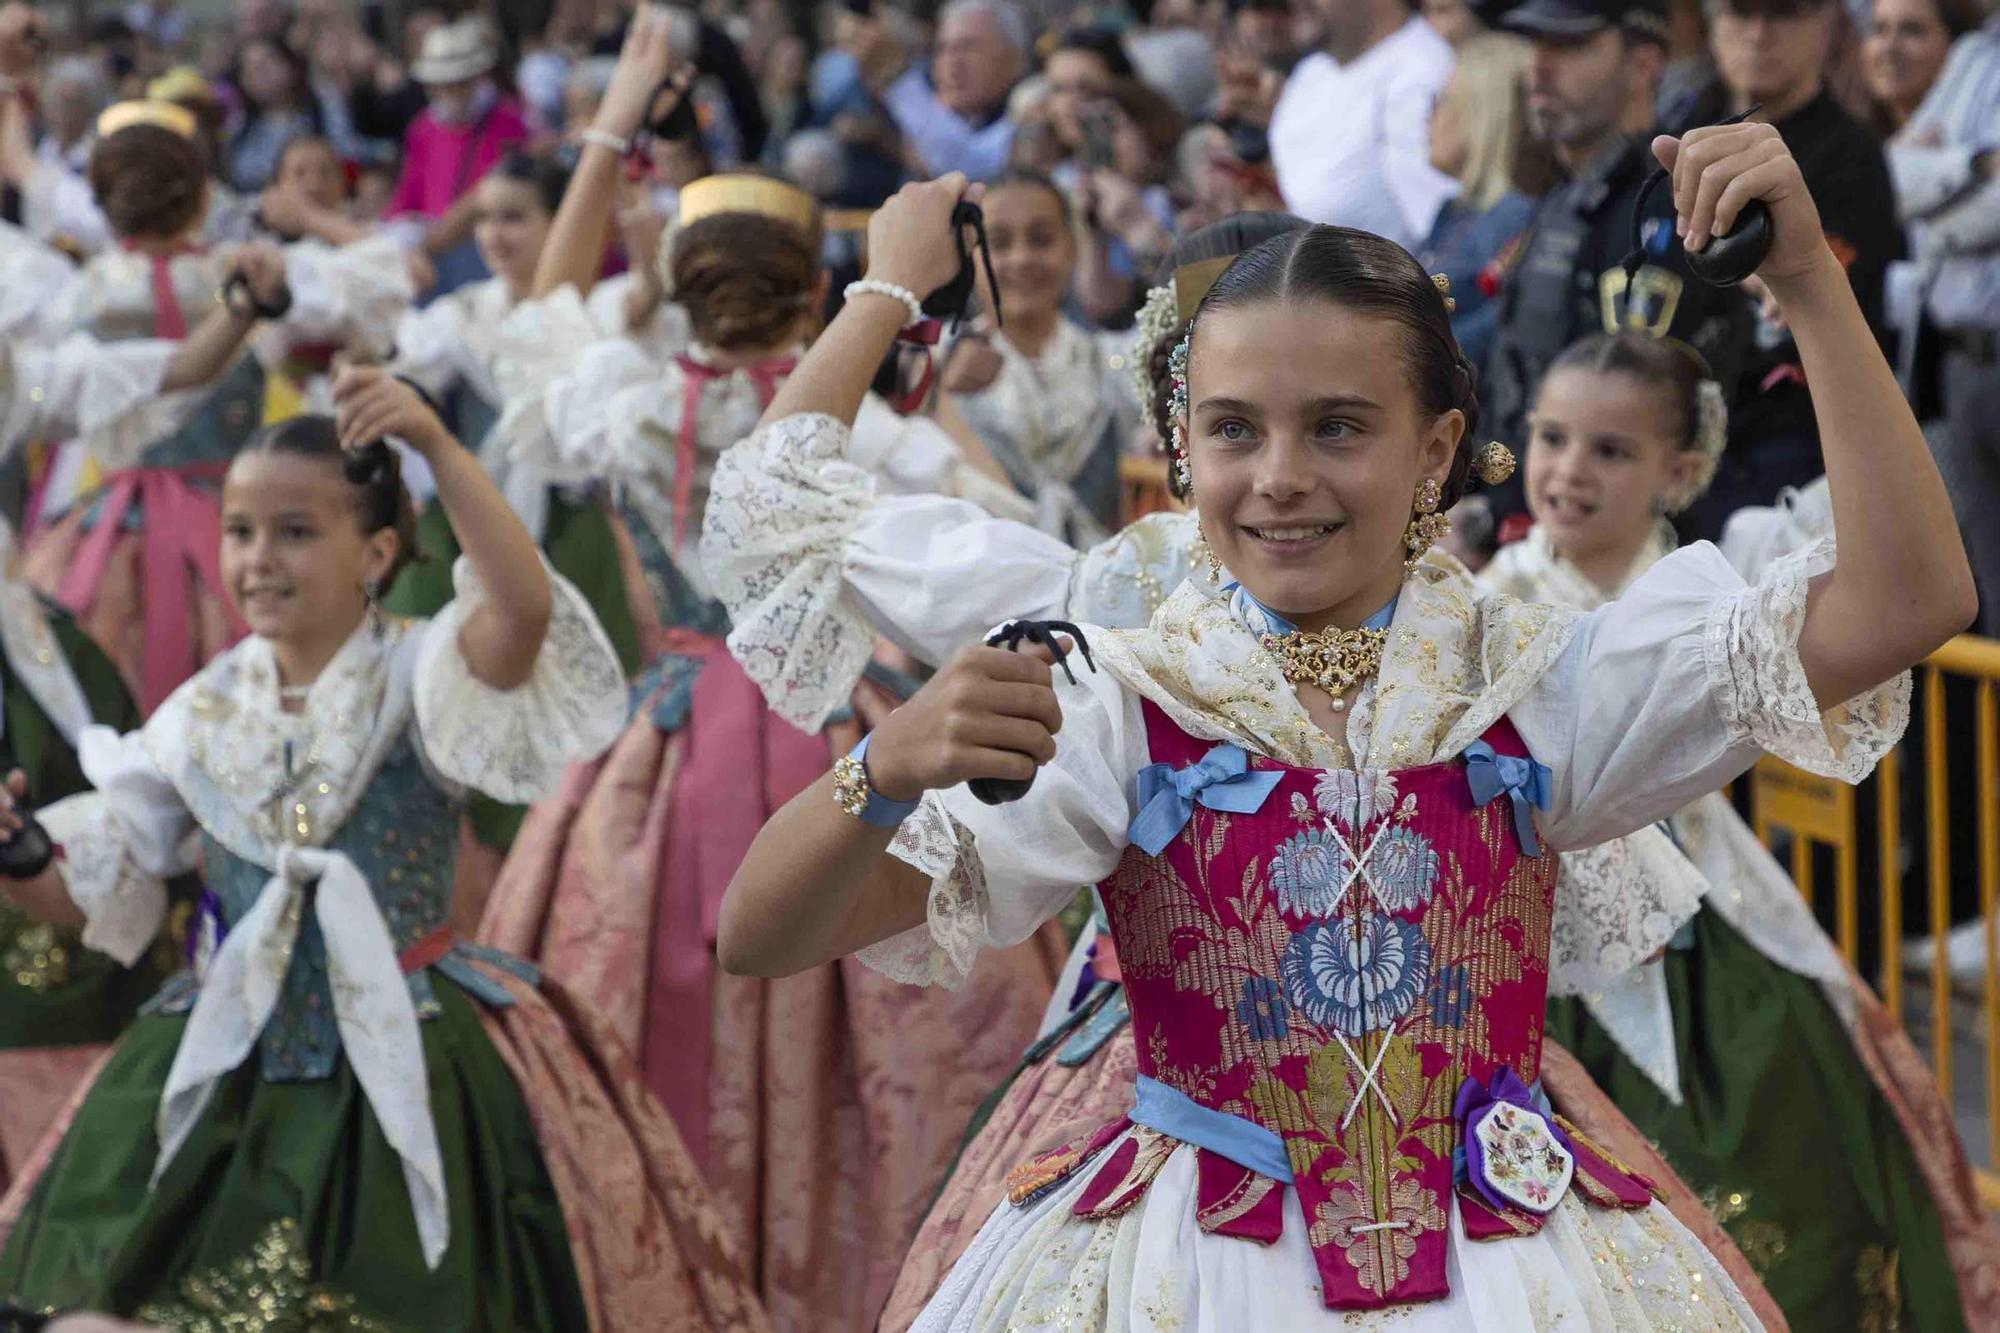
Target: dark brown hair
(1218,240)
(149,181)
(374,474)
(1360,271)
(1667,365)
(744,278)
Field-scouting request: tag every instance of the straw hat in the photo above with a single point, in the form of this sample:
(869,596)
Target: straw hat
(456,52)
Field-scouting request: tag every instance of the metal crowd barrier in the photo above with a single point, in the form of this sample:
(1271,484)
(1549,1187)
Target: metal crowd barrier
(1821,813)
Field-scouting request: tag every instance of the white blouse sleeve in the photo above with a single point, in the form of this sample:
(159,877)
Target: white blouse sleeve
(428,343)
(999,871)
(1676,687)
(60,205)
(121,842)
(356,294)
(513,745)
(39,287)
(812,565)
(80,386)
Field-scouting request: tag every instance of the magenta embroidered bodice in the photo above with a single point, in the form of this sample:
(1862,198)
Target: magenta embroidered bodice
(1311,986)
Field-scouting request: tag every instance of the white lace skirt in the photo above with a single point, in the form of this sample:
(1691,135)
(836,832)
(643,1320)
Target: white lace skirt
(1153,1270)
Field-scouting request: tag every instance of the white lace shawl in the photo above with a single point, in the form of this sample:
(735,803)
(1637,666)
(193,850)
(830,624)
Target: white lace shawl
(813,562)
(213,756)
(1050,413)
(1638,707)
(455,339)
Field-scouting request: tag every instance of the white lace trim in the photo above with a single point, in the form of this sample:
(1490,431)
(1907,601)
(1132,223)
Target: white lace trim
(942,951)
(778,503)
(1618,904)
(1751,650)
(514,744)
(122,905)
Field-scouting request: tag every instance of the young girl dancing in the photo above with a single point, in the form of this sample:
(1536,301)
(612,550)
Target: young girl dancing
(340,1110)
(1847,1202)
(1312,810)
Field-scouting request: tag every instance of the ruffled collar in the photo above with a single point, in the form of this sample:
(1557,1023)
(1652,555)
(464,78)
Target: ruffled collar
(258,777)
(1555,579)
(1457,658)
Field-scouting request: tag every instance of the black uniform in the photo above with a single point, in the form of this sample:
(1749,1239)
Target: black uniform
(1568,281)
(1773,436)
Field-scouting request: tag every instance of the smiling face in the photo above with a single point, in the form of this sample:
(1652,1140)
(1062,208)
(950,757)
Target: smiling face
(1602,459)
(1033,250)
(295,560)
(1906,47)
(512,225)
(1307,443)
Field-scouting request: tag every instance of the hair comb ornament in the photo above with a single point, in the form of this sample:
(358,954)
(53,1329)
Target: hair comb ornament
(1494,463)
(30,850)
(999,791)
(169,116)
(1727,259)
(1177,410)
(1443,285)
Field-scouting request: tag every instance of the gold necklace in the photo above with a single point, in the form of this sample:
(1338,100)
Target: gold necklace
(1336,660)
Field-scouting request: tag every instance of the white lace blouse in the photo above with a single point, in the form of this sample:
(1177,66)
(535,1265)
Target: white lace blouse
(1639,707)
(813,561)
(218,758)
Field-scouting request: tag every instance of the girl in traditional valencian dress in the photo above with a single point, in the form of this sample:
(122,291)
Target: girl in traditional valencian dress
(813,565)
(1052,401)
(1857,1202)
(341,1112)
(60,1004)
(822,1108)
(126,539)
(1322,811)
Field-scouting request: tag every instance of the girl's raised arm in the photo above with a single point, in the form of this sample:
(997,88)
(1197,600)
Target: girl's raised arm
(1901,585)
(911,249)
(574,252)
(502,638)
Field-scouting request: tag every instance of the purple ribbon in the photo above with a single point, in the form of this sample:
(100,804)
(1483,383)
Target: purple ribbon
(1474,1101)
(207,912)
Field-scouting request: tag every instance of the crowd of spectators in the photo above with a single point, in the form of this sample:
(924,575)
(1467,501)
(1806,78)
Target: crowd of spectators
(1506,144)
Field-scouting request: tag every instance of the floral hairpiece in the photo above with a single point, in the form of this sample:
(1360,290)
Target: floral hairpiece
(1177,406)
(1158,317)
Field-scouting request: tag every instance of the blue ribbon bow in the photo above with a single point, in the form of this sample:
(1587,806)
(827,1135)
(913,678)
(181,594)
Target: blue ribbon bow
(1220,780)
(1526,783)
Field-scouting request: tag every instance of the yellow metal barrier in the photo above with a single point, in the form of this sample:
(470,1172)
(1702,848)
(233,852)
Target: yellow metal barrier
(1819,812)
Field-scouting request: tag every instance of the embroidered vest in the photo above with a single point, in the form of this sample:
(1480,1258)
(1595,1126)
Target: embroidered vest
(403,836)
(1311,987)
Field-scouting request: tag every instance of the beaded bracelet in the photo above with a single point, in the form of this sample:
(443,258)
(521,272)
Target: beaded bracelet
(873,287)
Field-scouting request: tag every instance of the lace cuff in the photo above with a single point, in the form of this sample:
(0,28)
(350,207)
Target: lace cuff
(513,745)
(1751,651)
(1618,904)
(120,843)
(780,509)
(940,952)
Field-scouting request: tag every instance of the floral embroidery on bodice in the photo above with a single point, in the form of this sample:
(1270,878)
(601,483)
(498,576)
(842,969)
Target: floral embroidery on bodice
(1331,969)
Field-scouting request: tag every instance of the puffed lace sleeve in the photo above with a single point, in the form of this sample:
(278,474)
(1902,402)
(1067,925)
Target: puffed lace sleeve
(999,871)
(121,842)
(355,294)
(813,565)
(103,392)
(428,343)
(513,745)
(1676,687)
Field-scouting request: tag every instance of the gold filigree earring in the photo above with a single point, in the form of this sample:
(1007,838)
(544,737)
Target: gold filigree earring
(1205,554)
(1426,524)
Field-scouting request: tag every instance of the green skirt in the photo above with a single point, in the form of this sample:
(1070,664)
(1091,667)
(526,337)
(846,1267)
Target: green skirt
(581,547)
(287,1203)
(1786,1137)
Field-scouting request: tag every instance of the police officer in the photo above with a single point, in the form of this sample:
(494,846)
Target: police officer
(1591,82)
